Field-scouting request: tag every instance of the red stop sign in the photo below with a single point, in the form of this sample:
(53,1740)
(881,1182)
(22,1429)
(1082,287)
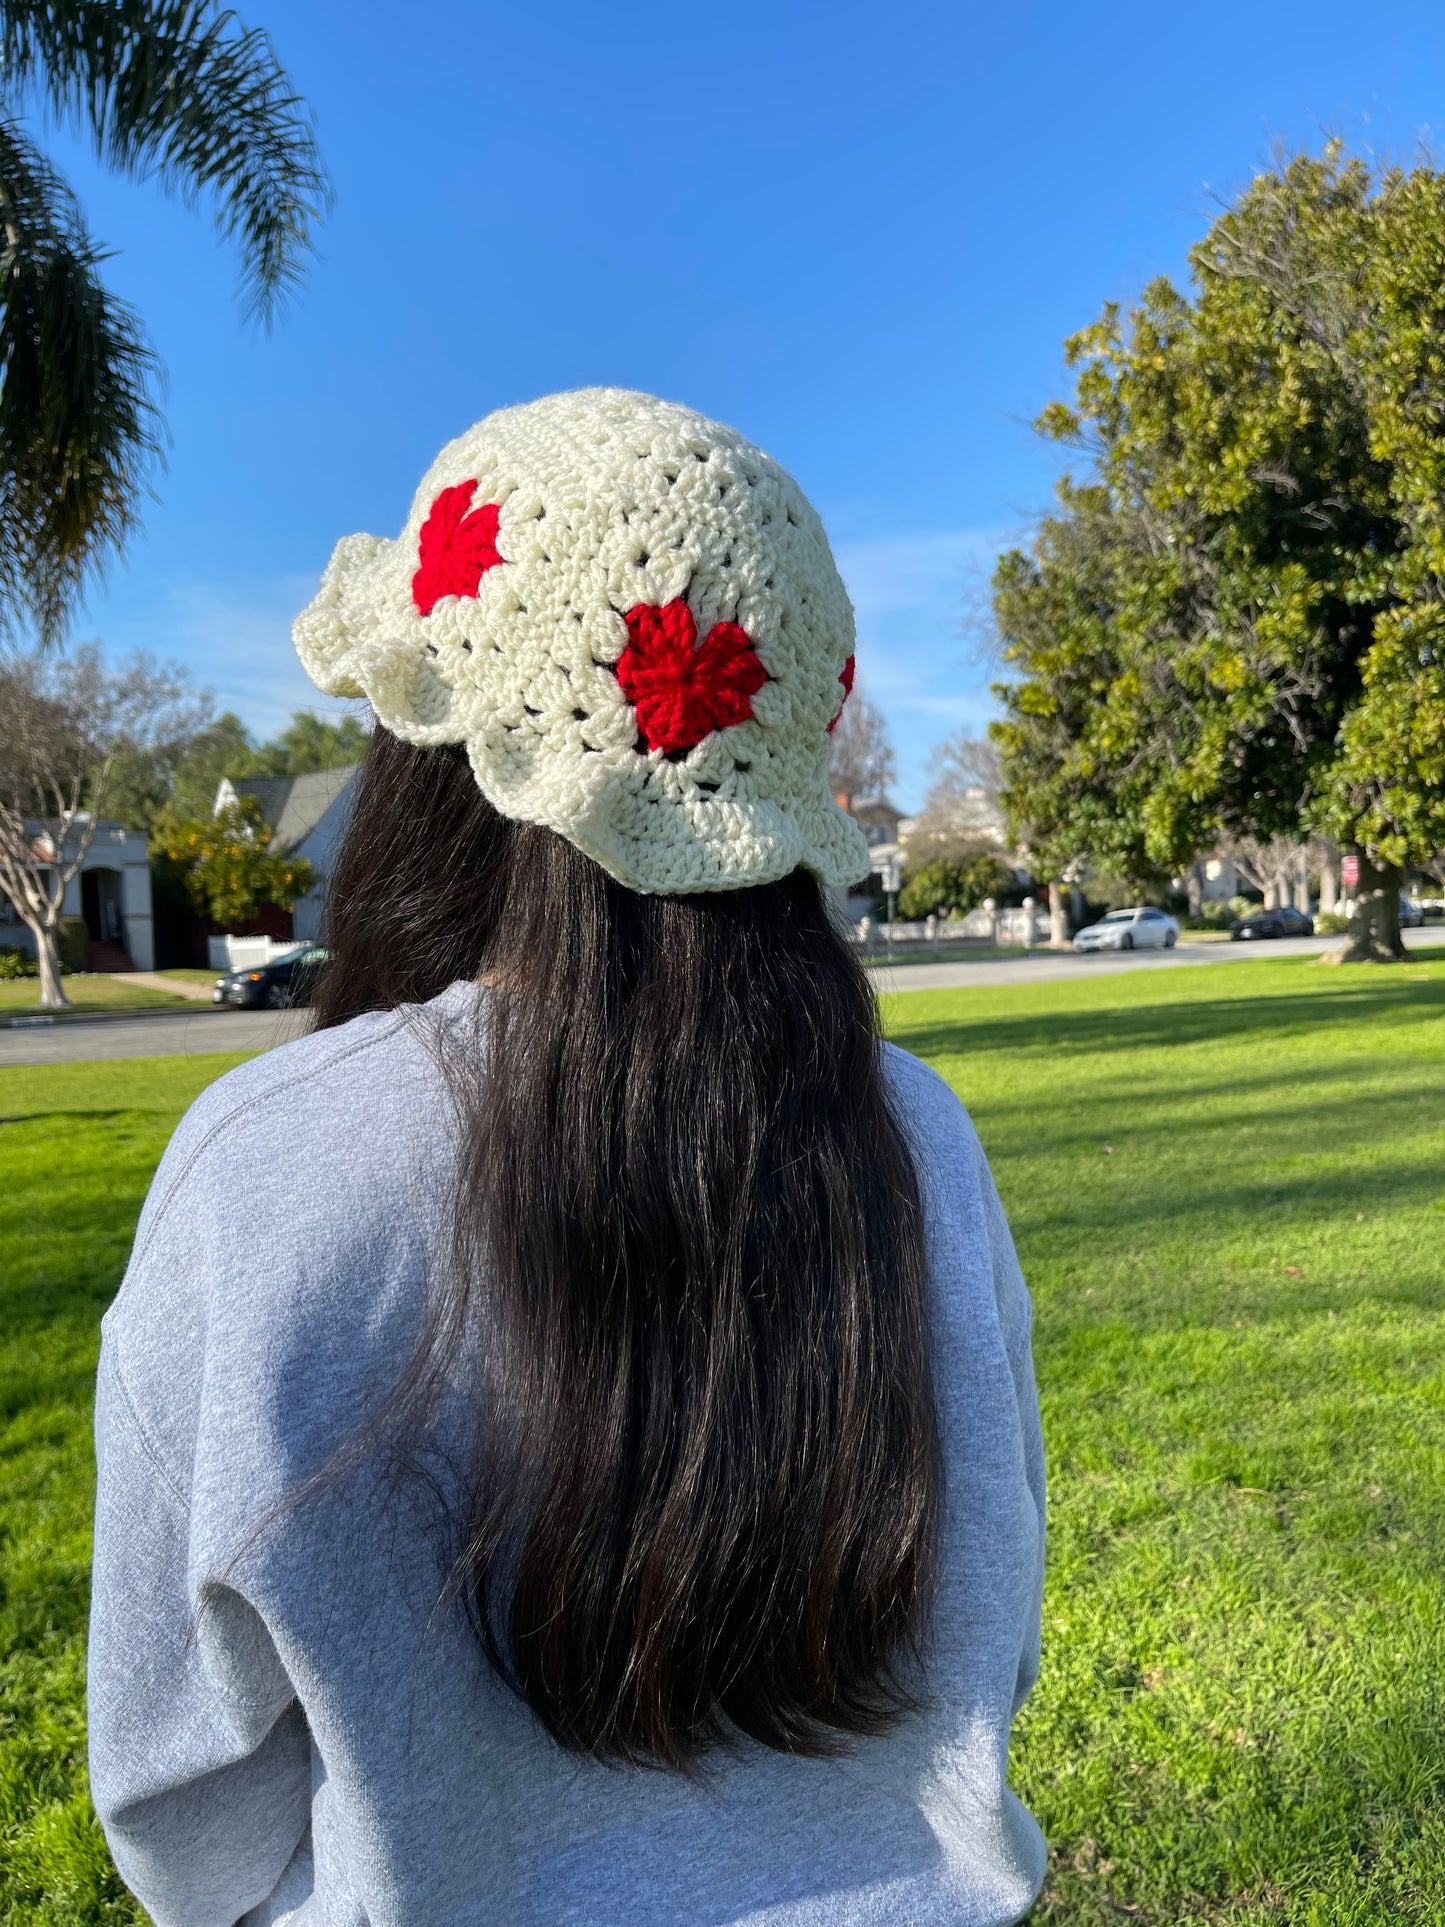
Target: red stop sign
(1350,871)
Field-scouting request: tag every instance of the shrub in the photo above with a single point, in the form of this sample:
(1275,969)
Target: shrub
(1212,916)
(950,886)
(16,963)
(224,864)
(1218,916)
(1330,923)
(72,941)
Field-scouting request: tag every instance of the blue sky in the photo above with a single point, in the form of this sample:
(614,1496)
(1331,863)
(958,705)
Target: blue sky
(859,234)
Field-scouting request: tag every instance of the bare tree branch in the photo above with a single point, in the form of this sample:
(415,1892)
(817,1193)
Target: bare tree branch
(63,722)
(861,761)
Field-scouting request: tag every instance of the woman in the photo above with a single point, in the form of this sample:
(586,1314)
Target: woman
(568,1446)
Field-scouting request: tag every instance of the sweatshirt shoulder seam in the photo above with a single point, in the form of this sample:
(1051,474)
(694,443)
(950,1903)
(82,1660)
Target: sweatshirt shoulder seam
(109,1362)
(238,1109)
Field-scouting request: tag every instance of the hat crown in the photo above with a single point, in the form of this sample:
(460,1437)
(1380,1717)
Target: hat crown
(631,617)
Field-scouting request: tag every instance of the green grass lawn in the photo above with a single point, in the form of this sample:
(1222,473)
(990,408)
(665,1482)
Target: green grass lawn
(1228,1190)
(187,975)
(78,1144)
(87,993)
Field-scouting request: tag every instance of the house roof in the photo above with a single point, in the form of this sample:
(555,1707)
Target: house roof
(874,809)
(291,805)
(108,835)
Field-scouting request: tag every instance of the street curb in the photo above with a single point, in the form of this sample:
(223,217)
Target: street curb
(39,1020)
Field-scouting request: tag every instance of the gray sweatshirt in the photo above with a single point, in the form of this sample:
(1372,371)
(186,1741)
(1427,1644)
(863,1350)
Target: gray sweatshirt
(290,1725)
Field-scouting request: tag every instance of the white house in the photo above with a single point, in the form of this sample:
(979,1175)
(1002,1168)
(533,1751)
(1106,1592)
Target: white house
(976,812)
(111,890)
(1220,879)
(306,816)
(877,816)
(958,817)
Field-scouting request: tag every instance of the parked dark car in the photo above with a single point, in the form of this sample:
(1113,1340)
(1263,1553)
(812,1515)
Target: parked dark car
(1272,923)
(1412,914)
(277,985)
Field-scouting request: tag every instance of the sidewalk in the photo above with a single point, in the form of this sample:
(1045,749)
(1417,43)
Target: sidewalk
(153,980)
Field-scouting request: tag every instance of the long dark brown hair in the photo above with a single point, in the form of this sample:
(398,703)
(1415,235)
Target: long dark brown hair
(707,1482)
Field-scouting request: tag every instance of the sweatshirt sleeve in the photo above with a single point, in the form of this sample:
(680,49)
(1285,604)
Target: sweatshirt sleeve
(200,1757)
(1015,1313)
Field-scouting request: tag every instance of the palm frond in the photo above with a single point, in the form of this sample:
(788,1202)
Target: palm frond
(78,426)
(182,93)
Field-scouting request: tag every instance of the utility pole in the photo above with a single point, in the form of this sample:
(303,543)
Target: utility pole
(891,876)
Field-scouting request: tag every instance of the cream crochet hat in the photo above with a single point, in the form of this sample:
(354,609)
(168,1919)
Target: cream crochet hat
(632,619)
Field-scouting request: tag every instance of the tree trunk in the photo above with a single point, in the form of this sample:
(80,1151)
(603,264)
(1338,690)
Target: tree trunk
(1374,934)
(52,990)
(1329,886)
(1194,885)
(1058,916)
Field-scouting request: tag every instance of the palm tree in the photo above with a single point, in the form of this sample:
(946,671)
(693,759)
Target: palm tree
(177,92)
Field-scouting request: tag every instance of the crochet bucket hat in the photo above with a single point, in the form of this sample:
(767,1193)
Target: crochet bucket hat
(632,619)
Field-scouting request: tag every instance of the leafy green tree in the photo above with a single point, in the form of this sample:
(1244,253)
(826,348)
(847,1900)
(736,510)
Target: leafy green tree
(951,886)
(223,748)
(176,92)
(180,778)
(309,743)
(223,866)
(1232,625)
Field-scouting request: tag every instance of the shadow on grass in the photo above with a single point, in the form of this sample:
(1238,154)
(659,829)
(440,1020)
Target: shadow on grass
(52,1284)
(1206,1020)
(1256,1223)
(1278,1201)
(1295,1173)
(1336,1115)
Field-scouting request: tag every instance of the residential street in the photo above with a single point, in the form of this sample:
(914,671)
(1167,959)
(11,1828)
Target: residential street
(202,1031)
(183,1033)
(1050,966)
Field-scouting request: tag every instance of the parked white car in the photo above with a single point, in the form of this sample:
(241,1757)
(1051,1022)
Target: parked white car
(1142,928)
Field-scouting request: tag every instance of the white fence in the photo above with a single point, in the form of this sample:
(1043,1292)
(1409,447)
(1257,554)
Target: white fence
(1023,926)
(979,926)
(248,953)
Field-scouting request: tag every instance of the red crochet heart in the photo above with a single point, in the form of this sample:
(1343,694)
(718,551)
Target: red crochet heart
(680,693)
(456,549)
(846,678)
